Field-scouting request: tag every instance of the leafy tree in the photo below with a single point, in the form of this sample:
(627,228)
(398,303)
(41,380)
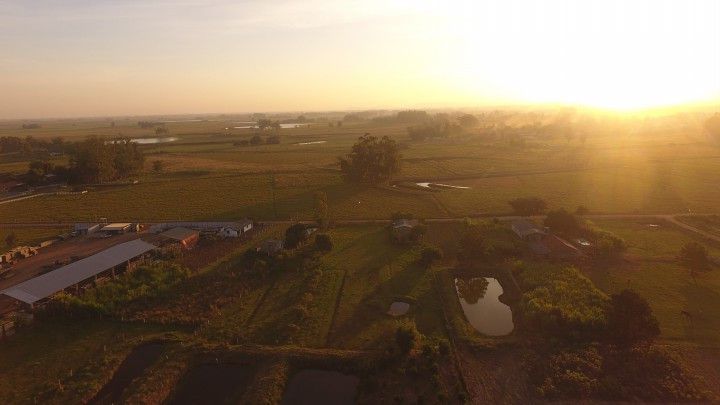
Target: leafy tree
(407,337)
(630,320)
(608,246)
(295,235)
(468,120)
(472,244)
(429,255)
(323,242)
(11,240)
(157,166)
(372,160)
(256,140)
(562,221)
(694,256)
(528,206)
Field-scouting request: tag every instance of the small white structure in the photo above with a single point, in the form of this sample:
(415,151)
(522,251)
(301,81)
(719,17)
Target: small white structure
(227,232)
(116,228)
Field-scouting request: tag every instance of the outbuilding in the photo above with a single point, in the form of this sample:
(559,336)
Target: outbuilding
(187,238)
(86,229)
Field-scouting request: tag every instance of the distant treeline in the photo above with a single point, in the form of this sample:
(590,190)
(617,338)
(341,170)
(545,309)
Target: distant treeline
(91,161)
(28,146)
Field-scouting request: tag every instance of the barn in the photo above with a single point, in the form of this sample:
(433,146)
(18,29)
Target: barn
(187,238)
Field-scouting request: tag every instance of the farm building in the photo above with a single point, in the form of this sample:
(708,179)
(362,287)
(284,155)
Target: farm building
(404,230)
(187,238)
(86,229)
(202,226)
(271,247)
(527,231)
(117,228)
(80,274)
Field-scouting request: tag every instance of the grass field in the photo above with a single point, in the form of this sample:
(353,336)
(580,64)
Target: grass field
(654,273)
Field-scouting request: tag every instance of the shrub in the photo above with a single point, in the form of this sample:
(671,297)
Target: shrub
(323,242)
(429,255)
(295,235)
(694,256)
(630,320)
(562,221)
(407,338)
(528,205)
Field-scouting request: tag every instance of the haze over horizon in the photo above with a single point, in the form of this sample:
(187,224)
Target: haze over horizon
(108,58)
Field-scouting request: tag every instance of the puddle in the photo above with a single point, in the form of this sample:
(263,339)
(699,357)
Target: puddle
(398,308)
(311,143)
(132,367)
(313,387)
(284,126)
(213,383)
(440,185)
(479,299)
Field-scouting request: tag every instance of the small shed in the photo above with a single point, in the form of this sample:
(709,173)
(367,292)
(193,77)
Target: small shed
(245,226)
(271,247)
(86,229)
(117,228)
(187,238)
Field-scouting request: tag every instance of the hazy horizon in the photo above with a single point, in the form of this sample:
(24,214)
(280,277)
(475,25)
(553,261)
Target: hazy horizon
(103,58)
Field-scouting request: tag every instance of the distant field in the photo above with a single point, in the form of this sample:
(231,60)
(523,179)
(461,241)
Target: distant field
(28,236)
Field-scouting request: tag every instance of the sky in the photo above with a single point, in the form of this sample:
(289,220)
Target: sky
(111,57)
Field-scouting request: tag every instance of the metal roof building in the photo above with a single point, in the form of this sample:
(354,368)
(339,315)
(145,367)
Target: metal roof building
(44,286)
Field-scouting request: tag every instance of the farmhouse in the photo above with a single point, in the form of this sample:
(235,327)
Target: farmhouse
(403,230)
(543,243)
(80,274)
(117,228)
(86,229)
(271,247)
(186,238)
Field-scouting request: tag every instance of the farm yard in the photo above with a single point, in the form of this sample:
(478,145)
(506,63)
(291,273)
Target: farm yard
(254,326)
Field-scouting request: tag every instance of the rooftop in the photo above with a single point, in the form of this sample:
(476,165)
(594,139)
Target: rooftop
(116,226)
(50,283)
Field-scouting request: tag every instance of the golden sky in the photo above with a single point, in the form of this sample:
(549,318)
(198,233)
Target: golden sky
(103,57)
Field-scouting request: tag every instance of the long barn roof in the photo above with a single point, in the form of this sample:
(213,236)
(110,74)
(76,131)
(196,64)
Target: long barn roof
(43,286)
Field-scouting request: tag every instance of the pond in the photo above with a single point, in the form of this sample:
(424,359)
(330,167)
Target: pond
(321,387)
(134,364)
(440,185)
(311,143)
(149,141)
(398,308)
(248,125)
(479,299)
(213,383)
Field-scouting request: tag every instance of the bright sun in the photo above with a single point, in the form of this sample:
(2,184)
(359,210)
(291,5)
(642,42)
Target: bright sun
(609,54)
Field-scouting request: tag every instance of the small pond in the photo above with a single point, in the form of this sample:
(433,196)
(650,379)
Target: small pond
(398,308)
(440,185)
(132,367)
(213,383)
(315,387)
(150,141)
(311,143)
(479,298)
(284,126)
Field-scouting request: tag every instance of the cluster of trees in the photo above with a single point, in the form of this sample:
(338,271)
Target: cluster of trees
(268,124)
(371,161)
(30,146)
(93,161)
(256,140)
(31,125)
(528,206)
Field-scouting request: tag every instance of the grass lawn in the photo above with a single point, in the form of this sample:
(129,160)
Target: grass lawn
(30,236)
(668,286)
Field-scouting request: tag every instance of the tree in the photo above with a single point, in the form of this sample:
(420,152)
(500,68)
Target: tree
(429,255)
(295,235)
(630,320)
(320,208)
(11,240)
(528,206)
(323,242)
(407,338)
(256,140)
(472,244)
(562,221)
(468,120)
(157,166)
(372,160)
(472,289)
(694,256)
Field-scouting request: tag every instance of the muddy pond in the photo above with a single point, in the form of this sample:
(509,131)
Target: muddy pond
(480,301)
(319,387)
(213,383)
(132,367)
